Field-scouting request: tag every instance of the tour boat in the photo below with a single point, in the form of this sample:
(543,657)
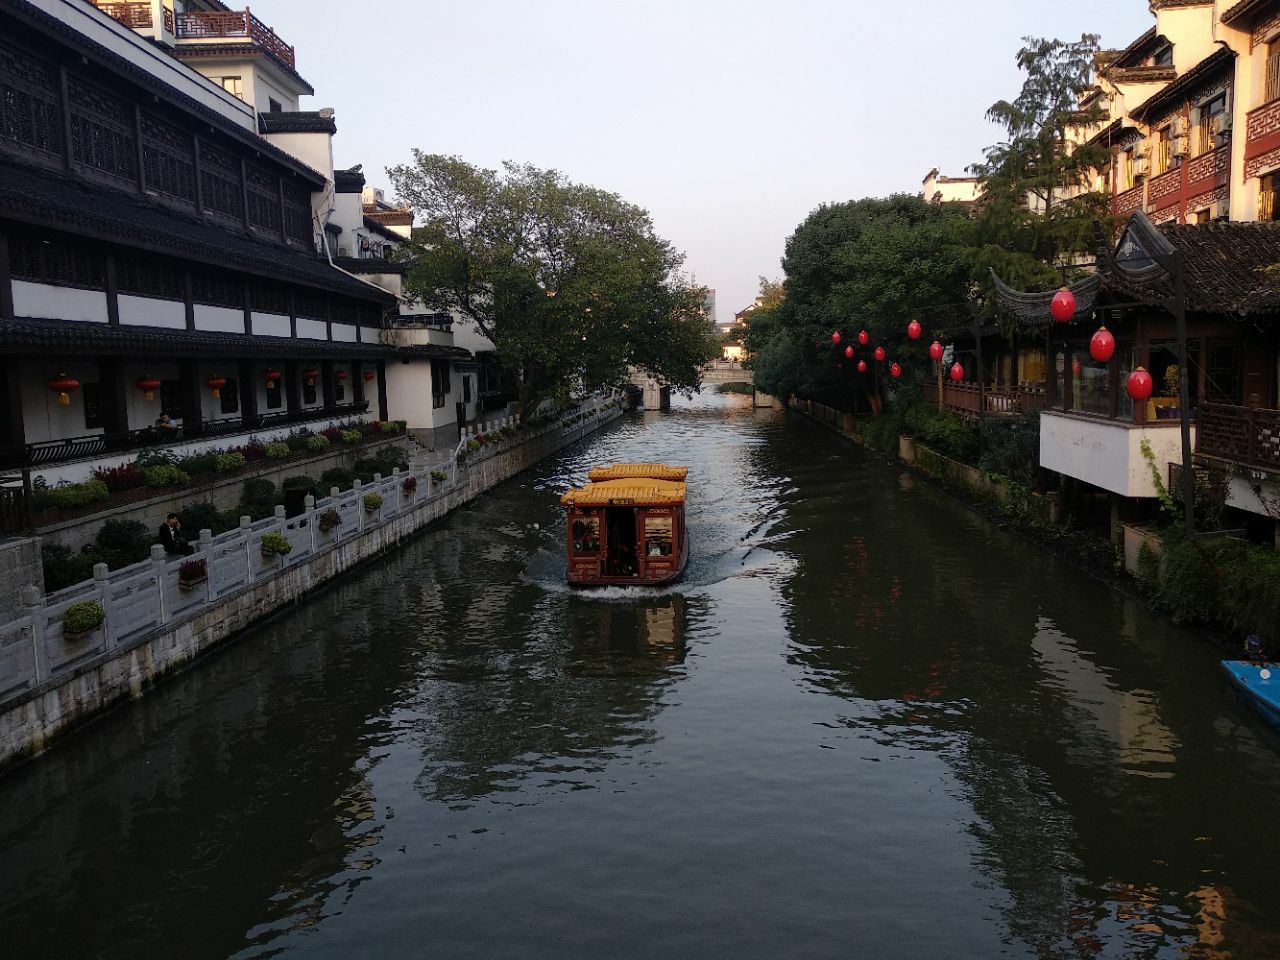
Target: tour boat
(627,526)
(1260,682)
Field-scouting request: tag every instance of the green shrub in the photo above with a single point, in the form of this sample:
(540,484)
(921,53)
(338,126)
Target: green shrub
(329,520)
(439,476)
(259,490)
(277,451)
(83,616)
(200,516)
(257,511)
(275,544)
(389,426)
(229,462)
(69,496)
(351,436)
(165,475)
(64,567)
(299,481)
(473,446)
(337,477)
(200,464)
(297,442)
(317,443)
(1011,447)
(1224,581)
(372,501)
(122,542)
(1148,565)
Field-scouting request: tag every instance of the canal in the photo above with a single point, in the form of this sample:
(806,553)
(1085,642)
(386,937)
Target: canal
(868,723)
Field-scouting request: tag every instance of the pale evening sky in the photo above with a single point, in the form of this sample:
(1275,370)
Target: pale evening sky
(728,121)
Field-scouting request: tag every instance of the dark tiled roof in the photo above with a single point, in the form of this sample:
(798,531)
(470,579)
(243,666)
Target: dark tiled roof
(433,351)
(1144,74)
(389,216)
(297,121)
(1243,9)
(1181,88)
(33,195)
(1169,4)
(369,265)
(23,335)
(1130,54)
(350,180)
(381,230)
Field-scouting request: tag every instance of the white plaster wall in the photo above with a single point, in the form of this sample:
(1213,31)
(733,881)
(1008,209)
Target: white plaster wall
(345,332)
(43,417)
(271,325)
(149,312)
(1107,453)
(143,412)
(468,336)
(313,149)
(220,319)
(409,394)
(44,301)
(348,213)
(1260,495)
(211,406)
(310,329)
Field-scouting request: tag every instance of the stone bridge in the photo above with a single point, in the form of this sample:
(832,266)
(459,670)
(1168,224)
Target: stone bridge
(725,371)
(657,396)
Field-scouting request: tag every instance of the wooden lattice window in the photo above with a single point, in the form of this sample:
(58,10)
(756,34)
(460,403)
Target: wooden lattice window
(297,213)
(146,275)
(29,104)
(217,288)
(267,297)
(264,199)
(1272,91)
(310,303)
(102,134)
(56,258)
(168,159)
(220,183)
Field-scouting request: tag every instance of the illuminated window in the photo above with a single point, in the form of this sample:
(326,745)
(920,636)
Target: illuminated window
(657,536)
(586,533)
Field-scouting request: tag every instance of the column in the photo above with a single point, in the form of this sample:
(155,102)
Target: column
(248,380)
(357,381)
(293,388)
(382,391)
(192,397)
(327,384)
(114,393)
(12,430)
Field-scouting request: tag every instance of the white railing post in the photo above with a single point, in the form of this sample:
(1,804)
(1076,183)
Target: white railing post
(245,523)
(359,499)
(157,571)
(206,551)
(33,605)
(100,574)
(309,506)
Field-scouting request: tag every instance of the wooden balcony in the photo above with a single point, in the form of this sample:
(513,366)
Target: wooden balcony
(1247,436)
(968,399)
(240,25)
(136,16)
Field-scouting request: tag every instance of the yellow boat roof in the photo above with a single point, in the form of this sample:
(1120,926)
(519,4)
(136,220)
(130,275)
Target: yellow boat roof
(637,471)
(640,491)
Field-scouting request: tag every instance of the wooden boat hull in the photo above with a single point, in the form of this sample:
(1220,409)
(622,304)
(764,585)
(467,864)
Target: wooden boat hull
(1263,694)
(579,580)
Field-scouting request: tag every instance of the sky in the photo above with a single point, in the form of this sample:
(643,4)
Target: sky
(728,121)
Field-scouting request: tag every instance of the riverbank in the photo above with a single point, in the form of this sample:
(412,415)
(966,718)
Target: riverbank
(150,620)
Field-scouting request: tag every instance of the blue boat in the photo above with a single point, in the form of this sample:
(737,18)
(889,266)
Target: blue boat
(1261,681)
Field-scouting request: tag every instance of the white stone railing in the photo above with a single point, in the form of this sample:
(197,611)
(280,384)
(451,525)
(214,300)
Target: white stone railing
(139,599)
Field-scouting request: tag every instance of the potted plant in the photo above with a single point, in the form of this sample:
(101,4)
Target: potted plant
(329,520)
(372,502)
(439,476)
(275,544)
(409,485)
(81,619)
(192,573)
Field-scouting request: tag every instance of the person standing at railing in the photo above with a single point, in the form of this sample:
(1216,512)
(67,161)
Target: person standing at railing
(171,537)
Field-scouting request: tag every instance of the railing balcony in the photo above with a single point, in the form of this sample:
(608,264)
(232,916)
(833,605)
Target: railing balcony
(205,25)
(136,16)
(969,400)
(1243,435)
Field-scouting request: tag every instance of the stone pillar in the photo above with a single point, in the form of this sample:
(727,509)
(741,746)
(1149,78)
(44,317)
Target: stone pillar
(20,569)
(248,384)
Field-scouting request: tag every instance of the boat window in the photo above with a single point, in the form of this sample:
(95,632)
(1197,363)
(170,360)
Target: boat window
(657,536)
(586,534)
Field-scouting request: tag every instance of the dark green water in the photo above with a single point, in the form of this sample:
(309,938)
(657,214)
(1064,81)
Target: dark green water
(867,725)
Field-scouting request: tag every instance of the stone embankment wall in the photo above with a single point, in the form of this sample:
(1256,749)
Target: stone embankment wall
(156,622)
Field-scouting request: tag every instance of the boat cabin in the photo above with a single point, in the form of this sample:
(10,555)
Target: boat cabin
(627,525)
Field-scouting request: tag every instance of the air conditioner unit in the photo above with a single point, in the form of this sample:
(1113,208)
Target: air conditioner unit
(1141,152)
(1221,124)
(1181,145)
(1177,128)
(1217,210)
(1141,167)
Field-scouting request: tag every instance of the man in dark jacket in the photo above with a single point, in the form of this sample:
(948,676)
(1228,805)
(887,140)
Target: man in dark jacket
(171,537)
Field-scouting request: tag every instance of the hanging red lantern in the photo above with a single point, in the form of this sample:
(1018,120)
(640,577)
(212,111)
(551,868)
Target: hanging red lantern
(311,376)
(64,386)
(914,329)
(1140,384)
(1102,346)
(862,366)
(341,375)
(1063,307)
(848,353)
(369,376)
(215,385)
(863,337)
(835,338)
(880,354)
(148,386)
(271,376)
(895,370)
(935,351)
(957,372)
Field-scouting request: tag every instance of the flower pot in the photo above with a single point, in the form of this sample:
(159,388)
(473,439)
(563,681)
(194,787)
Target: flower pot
(268,554)
(186,586)
(70,637)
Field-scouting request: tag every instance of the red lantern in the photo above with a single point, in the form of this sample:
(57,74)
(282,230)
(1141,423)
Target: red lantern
(914,329)
(311,376)
(863,337)
(341,375)
(148,386)
(1076,367)
(957,372)
(215,385)
(271,376)
(862,366)
(848,353)
(1102,346)
(1063,307)
(880,354)
(835,338)
(64,386)
(1140,384)
(935,351)
(895,370)
(369,376)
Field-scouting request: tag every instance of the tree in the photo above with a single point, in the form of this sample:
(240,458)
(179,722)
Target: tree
(570,282)
(1039,205)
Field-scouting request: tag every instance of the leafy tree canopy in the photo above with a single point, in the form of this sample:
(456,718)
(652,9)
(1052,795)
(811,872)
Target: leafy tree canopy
(570,282)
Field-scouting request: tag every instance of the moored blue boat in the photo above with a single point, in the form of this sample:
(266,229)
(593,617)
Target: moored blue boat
(1261,682)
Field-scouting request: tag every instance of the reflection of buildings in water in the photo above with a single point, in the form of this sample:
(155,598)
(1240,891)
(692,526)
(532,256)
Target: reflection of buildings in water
(654,629)
(1195,928)
(1130,718)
